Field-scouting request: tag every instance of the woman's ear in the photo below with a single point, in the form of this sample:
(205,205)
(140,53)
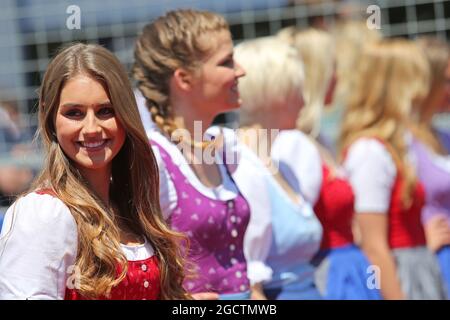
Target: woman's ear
(183,79)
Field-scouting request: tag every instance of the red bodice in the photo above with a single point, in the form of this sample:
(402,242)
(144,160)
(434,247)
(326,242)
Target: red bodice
(140,283)
(405,225)
(334,208)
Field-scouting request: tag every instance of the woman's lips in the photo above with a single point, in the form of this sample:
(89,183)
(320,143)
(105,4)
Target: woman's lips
(92,146)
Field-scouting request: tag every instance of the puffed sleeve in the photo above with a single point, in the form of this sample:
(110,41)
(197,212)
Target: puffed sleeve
(250,177)
(299,161)
(38,248)
(167,192)
(371,171)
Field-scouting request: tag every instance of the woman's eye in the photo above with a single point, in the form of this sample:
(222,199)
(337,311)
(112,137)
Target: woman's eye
(106,111)
(73,113)
(228,63)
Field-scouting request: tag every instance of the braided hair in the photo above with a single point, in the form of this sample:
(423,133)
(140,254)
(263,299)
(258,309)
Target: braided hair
(166,44)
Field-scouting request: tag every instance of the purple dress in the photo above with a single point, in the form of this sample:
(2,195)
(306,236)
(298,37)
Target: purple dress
(436,181)
(444,137)
(216,231)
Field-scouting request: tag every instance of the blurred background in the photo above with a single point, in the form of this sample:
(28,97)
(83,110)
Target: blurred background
(32,30)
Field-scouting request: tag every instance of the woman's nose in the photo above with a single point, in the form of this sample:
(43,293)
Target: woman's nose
(91,124)
(239,71)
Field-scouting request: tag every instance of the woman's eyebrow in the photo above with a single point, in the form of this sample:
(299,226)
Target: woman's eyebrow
(71,104)
(75,104)
(105,104)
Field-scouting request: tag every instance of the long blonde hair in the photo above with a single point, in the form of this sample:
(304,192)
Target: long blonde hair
(350,38)
(392,76)
(170,42)
(134,181)
(316,50)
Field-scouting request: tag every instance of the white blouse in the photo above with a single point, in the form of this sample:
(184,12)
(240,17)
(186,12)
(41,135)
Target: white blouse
(372,172)
(249,174)
(38,248)
(299,162)
(253,177)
